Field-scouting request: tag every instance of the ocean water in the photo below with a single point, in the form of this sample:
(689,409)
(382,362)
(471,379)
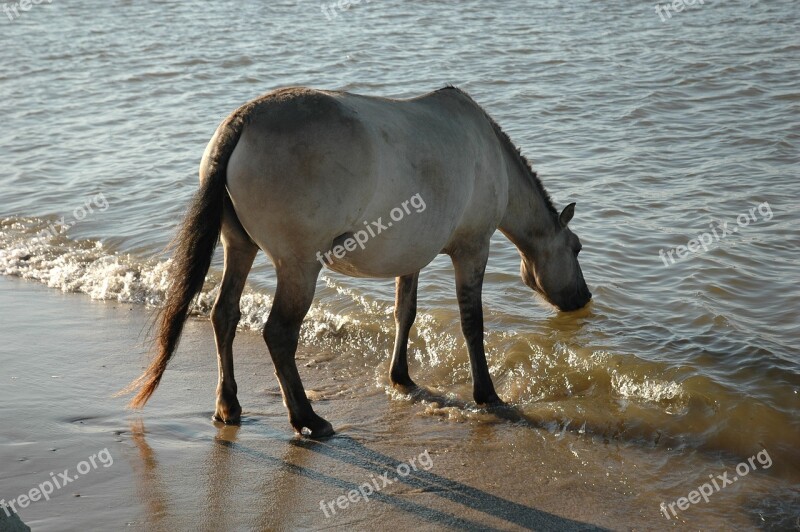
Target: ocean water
(662,131)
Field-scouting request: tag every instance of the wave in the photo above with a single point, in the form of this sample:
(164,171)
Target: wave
(555,386)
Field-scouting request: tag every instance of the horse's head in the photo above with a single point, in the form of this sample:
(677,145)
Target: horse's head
(552,267)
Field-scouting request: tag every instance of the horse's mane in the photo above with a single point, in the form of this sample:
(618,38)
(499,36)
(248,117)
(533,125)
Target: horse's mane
(507,142)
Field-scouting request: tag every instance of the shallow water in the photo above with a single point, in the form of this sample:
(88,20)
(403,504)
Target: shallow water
(660,131)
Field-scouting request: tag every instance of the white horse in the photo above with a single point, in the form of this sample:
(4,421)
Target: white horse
(305,174)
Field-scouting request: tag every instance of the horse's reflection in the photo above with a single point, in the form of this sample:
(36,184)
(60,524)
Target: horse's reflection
(221,487)
(286,478)
(149,487)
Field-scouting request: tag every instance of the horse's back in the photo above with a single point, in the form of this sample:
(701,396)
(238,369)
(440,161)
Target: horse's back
(311,166)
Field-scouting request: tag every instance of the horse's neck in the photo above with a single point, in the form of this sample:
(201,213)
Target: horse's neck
(529,218)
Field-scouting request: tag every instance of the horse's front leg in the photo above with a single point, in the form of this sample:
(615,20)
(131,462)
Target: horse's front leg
(470,266)
(405,310)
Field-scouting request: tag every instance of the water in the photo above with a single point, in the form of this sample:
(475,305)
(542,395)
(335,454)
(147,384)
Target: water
(660,131)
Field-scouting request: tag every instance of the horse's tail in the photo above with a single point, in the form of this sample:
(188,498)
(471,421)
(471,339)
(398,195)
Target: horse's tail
(194,248)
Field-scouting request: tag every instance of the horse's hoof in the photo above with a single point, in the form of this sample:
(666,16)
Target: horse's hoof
(315,429)
(322,431)
(405,385)
(230,414)
(232,420)
(498,406)
(490,401)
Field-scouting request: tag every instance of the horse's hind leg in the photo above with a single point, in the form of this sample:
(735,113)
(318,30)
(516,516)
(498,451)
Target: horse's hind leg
(239,254)
(296,285)
(405,310)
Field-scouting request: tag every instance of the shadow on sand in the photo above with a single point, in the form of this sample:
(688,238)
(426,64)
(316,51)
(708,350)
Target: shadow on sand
(354,453)
(226,448)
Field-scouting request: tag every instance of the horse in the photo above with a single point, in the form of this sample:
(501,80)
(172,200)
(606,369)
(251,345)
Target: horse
(303,174)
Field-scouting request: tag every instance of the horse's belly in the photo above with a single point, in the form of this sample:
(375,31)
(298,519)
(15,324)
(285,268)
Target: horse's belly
(392,252)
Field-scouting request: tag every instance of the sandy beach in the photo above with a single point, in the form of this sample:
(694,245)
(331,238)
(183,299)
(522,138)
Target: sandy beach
(170,467)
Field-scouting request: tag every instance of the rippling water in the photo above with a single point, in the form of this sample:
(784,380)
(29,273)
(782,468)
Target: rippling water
(660,131)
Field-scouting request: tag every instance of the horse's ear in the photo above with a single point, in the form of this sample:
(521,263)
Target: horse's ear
(567,214)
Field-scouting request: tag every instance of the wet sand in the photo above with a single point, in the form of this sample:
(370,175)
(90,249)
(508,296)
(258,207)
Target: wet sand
(63,356)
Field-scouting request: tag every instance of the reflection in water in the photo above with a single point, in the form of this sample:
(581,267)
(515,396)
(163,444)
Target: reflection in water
(280,485)
(149,486)
(284,486)
(263,479)
(221,486)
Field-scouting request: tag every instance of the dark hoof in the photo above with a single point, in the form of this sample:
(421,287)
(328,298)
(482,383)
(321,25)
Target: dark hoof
(228,413)
(322,431)
(404,384)
(489,400)
(315,428)
(228,421)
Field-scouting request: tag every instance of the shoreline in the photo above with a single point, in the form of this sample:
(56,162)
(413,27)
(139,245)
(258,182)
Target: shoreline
(65,355)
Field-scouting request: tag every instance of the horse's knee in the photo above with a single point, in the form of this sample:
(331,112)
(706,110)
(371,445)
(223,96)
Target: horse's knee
(272,329)
(268,333)
(404,316)
(225,317)
(281,336)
